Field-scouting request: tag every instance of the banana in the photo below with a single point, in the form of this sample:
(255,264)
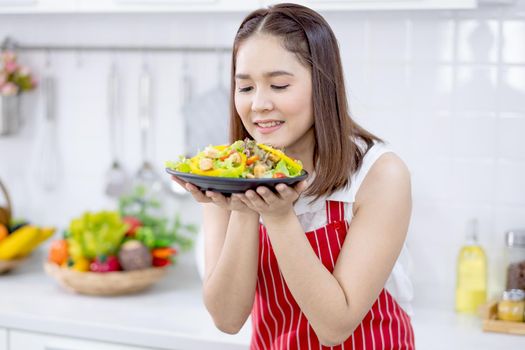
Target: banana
(44,233)
(11,246)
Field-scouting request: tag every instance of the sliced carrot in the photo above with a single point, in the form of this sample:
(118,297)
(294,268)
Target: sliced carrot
(163,253)
(252,160)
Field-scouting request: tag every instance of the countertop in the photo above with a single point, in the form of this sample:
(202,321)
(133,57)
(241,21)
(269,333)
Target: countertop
(168,315)
(171,314)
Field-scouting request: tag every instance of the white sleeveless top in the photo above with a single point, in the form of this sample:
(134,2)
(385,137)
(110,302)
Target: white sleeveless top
(313,215)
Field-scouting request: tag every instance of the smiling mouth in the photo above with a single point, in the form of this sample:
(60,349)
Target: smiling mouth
(270,124)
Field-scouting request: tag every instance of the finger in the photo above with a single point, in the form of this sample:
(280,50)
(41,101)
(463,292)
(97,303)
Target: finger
(245,201)
(179,181)
(268,196)
(217,198)
(286,192)
(197,194)
(237,202)
(256,200)
(301,186)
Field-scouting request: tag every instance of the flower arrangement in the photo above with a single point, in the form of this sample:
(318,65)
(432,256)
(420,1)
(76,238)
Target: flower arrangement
(14,78)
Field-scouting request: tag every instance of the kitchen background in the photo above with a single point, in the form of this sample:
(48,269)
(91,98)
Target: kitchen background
(445,87)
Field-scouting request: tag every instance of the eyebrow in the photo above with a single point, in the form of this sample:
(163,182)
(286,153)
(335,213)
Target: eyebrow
(268,74)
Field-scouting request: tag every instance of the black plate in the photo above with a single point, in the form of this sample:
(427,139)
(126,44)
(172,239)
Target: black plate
(228,186)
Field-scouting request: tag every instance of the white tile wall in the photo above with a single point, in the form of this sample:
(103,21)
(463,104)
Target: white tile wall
(446,88)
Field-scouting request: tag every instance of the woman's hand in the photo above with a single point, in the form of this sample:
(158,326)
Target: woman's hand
(269,204)
(194,190)
(229,203)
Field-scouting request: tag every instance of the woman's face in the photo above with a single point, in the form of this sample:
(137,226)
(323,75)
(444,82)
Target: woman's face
(273,94)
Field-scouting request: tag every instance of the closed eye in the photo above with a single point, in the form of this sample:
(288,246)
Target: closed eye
(245,89)
(280,87)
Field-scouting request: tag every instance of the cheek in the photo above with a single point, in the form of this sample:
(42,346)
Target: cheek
(241,105)
(298,103)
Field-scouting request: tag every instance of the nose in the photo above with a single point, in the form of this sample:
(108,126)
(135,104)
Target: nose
(261,101)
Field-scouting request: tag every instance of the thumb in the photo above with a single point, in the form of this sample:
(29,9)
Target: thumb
(301,186)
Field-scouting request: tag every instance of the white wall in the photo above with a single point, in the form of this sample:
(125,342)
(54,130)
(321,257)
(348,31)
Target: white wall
(447,89)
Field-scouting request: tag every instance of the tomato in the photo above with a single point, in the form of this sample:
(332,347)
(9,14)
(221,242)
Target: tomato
(279,176)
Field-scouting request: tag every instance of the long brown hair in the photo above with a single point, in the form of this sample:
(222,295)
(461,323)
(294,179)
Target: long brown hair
(306,33)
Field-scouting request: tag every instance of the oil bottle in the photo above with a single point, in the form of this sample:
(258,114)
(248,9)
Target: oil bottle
(471,282)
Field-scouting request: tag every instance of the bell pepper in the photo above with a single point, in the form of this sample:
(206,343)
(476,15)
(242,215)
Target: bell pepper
(161,262)
(220,172)
(105,263)
(293,165)
(80,264)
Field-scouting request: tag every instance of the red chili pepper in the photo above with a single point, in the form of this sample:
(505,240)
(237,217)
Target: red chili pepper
(279,175)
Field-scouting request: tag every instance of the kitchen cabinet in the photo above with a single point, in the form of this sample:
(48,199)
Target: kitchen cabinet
(37,6)
(19,340)
(125,6)
(330,5)
(166,5)
(163,6)
(3,339)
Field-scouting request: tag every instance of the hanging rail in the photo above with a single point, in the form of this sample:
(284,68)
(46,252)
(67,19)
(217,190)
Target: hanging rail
(11,44)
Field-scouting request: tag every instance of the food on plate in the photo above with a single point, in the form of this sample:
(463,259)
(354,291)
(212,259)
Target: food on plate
(242,159)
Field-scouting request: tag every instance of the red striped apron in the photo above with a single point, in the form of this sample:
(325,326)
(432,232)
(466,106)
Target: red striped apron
(278,322)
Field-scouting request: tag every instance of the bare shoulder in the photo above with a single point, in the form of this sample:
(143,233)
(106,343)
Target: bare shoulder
(389,177)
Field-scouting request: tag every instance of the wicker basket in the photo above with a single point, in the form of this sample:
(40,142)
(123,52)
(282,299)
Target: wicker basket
(5,212)
(109,283)
(8,265)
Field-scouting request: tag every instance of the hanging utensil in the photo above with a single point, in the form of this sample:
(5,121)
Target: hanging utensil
(117,181)
(48,167)
(146,175)
(187,96)
(187,90)
(206,116)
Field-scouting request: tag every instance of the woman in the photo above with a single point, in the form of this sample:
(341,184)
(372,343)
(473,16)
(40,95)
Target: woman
(309,263)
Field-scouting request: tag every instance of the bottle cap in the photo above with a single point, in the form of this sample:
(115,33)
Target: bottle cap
(514,295)
(515,238)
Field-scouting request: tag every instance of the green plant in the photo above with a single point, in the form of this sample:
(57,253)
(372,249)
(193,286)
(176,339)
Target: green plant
(155,231)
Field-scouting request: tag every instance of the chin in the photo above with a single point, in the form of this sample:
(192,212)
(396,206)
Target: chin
(272,141)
